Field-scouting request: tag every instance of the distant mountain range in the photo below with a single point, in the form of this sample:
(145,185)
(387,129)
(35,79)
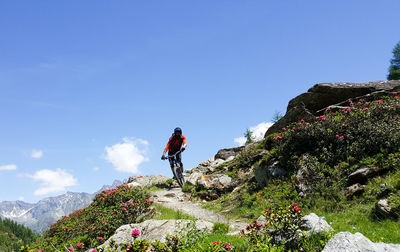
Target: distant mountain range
(41,215)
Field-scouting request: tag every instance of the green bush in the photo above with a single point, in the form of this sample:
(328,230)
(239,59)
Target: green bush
(94,224)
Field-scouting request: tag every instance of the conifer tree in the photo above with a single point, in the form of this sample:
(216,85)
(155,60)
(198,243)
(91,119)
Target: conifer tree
(394,69)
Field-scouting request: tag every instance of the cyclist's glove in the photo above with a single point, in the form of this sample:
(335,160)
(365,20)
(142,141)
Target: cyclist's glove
(182,149)
(163,157)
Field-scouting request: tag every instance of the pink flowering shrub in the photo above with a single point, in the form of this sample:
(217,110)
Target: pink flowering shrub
(282,226)
(91,226)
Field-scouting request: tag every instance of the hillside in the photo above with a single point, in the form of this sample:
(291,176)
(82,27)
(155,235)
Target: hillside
(335,153)
(14,235)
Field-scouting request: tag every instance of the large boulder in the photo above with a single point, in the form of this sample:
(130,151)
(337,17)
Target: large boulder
(348,242)
(321,96)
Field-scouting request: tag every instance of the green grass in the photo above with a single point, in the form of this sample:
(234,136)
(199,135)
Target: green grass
(358,219)
(168,214)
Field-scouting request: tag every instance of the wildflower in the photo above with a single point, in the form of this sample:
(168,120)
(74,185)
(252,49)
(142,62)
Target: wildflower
(147,200)
(71,248)
(366,108)
(283,128)
(341,137)
(135,233)
(278,137)
(396,97)
(124,209)
(93,250)
(100,238)
(228,246)
(215,243)
(130,203)
(266,211)
(40,250)
(337,136)
(137,204)
(242,230)
(294,204)
(395,93)
(123,203)
(296,208)
(380,101)
(322,117)
(154,208)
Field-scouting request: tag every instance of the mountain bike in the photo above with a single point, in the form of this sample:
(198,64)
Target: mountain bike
(176,169)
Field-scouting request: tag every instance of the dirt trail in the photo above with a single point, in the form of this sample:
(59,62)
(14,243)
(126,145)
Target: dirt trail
(177,200)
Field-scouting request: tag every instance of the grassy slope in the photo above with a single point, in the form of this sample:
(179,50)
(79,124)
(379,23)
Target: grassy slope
(371,136)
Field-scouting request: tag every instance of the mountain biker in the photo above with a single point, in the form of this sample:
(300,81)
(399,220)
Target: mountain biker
(177,142)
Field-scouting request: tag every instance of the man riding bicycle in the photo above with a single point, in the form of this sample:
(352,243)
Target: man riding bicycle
(174,145)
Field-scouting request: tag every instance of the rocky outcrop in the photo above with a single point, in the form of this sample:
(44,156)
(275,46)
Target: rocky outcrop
(146,181)
(224,154)
(321,96)
(354,190)
(348,242)
(264,173)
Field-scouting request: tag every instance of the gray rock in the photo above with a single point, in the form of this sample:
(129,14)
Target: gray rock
(315,224)
(384,209)
(362,175)
(348,242)
(153,230)
(355,190)
(226,153)
(261,219)
(321,96)
(194,177)
(221,181)
(146,181)
(264,173)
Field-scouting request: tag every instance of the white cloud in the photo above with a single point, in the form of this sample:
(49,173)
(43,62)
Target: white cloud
(37,153)
(8,167)
(21,198)
(240,140)
(127,156)
(53,181)
(258,133)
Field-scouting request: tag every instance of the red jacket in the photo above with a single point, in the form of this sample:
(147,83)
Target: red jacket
(174,143)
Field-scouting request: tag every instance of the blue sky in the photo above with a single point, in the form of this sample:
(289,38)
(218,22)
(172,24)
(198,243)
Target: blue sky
(90,91)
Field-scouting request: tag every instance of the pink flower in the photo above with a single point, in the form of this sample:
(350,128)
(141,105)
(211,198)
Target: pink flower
(40,250)
(100,238)
(130,203)
(296,208)
(215,242)
(380,101)
(228,246)
(395,93)
(341,137)
(283,128)
(337,136)
(154,208)
(71,248)
(294,205)
(135,233)
(266,211)
(278,137)
(123,203)
(124,209)
(93,250)
(137,204)
(366,108)
(147,200)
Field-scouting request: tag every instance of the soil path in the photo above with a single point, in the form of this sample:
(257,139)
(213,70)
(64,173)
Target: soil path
(177,200)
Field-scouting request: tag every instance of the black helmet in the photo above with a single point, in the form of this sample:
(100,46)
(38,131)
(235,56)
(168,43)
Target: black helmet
(177,129)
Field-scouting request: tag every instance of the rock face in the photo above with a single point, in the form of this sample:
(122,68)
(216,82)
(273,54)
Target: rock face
(224,154)
(348,242)
(321,96)
(153,230)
